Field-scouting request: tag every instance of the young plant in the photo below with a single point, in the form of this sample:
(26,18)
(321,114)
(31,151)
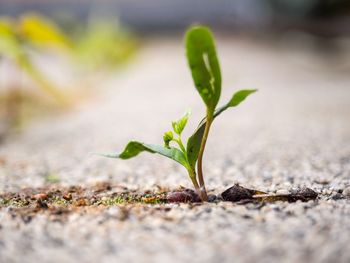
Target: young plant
(205,69)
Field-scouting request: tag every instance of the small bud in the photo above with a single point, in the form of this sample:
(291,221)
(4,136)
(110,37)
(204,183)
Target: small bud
(168,137)
(180,124)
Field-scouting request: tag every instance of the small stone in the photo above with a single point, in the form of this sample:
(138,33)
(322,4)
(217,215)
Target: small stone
(303,194)
(346,192)
(212,198)
(185,196)
(337,196)
(41,204)
(282,192)
(67,196)
(81,202)
(207,209)
(41,196)
(27,218)
(237,193)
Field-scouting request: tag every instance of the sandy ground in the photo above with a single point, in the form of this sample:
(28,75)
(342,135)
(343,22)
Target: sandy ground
(294,132)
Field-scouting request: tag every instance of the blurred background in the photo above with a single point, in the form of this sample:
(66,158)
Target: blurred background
(57,54)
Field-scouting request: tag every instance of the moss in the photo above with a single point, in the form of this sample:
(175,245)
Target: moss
(113,201)
(130,199)
(2,202)
(76,196)
(17,202)
(59,201)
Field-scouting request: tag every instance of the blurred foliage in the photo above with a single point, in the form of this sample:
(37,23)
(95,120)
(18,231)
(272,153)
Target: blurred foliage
(104,45)
(101,45)
(18,37)
(42,32)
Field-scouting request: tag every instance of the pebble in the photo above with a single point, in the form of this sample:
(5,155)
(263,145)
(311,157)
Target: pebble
(346,192)
(212,198)
(337,196)
(67,196)
(282,192)
(41,196)
(184,196)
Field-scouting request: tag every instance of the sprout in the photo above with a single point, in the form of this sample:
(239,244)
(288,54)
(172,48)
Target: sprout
(206,74)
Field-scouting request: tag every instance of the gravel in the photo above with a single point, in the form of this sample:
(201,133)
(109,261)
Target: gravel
(346,192)
(294,132)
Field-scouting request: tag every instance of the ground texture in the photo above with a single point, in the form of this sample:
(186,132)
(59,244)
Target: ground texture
(294,132)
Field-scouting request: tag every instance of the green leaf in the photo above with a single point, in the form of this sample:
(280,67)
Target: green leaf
(236,99)
(240,96)
(204,65)
(193,145)
(194,142)
(133,148)
(180,124)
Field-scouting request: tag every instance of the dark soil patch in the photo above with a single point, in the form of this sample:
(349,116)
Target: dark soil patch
(58,201)
(100,194)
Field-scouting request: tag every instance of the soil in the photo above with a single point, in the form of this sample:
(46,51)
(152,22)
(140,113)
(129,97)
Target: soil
(58,201)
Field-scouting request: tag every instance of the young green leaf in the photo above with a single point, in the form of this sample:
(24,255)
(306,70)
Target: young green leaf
(180,124)
(236,99)
(167,138)
(194,142)
(204,65)
(133,148)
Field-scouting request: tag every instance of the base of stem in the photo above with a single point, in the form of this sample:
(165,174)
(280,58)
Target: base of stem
(202,193)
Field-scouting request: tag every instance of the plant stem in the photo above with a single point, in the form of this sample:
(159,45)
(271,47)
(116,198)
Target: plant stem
(192,175)
(182,147)
(208,123)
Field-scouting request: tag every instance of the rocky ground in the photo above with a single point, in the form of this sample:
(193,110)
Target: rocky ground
(294,132)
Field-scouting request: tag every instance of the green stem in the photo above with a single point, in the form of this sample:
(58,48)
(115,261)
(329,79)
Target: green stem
(191,171)
(208,123)
(192,175)
(179,142)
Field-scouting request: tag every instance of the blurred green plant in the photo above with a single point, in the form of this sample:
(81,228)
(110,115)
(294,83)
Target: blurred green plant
(101,45)
(104,45)
(206,74)
(52,178)
(18,37)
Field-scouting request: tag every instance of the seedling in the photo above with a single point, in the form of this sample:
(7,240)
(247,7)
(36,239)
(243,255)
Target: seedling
(205,69)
